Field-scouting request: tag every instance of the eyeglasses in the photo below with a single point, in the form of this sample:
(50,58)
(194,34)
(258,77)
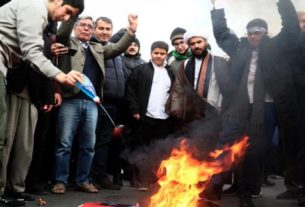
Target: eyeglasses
(84,25)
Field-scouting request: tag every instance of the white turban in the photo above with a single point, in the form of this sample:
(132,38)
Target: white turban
(190,34)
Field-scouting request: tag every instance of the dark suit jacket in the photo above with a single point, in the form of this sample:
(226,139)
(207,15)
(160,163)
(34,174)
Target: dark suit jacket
(138,87)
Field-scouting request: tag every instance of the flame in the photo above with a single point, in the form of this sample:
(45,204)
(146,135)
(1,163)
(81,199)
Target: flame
(182,178)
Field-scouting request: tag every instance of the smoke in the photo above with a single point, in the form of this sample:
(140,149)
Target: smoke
(202,136)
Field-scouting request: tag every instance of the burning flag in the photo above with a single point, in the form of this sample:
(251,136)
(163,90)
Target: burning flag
(182,178)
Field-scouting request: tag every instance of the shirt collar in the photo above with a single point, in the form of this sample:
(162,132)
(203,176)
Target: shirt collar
(84,44)
(157,67)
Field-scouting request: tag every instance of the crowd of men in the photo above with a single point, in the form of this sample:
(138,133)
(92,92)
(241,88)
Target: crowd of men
(49,125)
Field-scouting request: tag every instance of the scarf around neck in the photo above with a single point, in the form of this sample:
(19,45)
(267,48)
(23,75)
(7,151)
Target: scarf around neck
(183,56)
(239,110)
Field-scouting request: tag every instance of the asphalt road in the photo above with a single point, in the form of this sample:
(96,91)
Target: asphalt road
(128,195)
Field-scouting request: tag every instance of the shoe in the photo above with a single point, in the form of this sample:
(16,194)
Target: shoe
(20,195)
(246,201)
(11,202)
(59,188)
(117,180)
(256,193)
(289,195)
(231,191)
(143,187)
(105,183)
(36,189)
(87,188)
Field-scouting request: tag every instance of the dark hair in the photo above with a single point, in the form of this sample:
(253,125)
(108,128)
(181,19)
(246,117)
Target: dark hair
(136,40)
(257,23)
(159,44)
(104,19)
(76,4)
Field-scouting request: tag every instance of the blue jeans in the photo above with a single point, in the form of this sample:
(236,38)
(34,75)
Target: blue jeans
(75,117)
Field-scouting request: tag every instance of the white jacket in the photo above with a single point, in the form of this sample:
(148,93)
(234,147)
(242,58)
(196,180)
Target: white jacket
(22,23)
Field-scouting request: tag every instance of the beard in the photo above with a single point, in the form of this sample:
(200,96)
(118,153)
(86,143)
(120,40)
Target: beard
(202,54)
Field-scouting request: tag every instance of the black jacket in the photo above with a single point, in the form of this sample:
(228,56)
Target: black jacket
(138,87)
(114,83)
(130,62)
(299,71)
(274,58)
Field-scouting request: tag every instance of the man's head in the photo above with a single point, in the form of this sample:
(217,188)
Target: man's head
(133,48)
(103,29)
(63,10)
(158,52)
(83,28)
(256,30)
(197,41)
(301,16)
(176,38)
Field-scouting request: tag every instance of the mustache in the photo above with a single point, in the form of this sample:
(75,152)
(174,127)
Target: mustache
(198,49)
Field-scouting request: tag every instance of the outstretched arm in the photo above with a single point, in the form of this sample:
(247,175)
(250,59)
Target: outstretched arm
(118,48)
(117,36)
(69,79)
(133,24)
(288,37)
(226,39)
